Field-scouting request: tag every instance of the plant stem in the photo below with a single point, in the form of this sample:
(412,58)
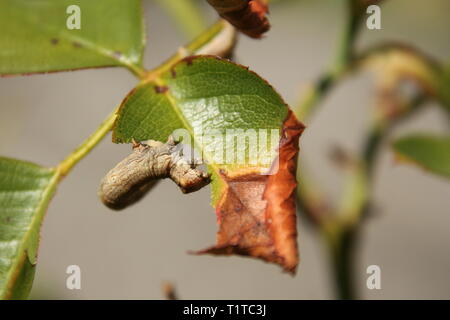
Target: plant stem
(344,247)
(137,71)
(342,237)
(315,95)
(342,243)
(187,50)
(84,148)
(345,53)
(342,252)
(344,58)
(186,13)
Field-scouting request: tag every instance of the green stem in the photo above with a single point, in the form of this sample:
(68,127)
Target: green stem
(344,58)
(381,129)
(345,53)
(315,95)
(340,239)
(370,148)
(186,14)
(187,50)
(343,248)
(342,252)
(137,71)
(79,153)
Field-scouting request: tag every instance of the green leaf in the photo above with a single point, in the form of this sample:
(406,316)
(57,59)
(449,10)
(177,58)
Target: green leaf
(213,100)
(35,37)
(430,152)
(25,190)
(200,94)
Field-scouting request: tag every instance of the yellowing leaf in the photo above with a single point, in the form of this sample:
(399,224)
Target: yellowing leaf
(203,94)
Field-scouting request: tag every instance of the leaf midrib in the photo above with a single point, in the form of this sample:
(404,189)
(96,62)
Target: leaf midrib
(172,101)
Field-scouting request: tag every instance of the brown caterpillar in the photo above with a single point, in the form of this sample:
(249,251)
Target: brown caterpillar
(134,176)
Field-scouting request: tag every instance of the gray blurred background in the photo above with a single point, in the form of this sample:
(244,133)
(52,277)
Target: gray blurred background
(128,255)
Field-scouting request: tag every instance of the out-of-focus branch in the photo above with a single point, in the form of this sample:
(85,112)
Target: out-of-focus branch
(398,61)
(186,14)
(396,66)
(394,63)
(341,63)
(340,226)
(203,44)
(223,43)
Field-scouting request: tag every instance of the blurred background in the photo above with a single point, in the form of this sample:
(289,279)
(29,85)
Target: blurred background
(128,255)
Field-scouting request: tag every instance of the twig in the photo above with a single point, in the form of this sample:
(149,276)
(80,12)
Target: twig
(344,58)
(340,227)
(186,13)
(79,153)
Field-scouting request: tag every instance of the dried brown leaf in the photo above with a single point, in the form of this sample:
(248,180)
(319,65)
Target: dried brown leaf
(256,213)
(249,16)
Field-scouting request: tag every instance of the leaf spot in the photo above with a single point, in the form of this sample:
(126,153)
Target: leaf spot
(161,89)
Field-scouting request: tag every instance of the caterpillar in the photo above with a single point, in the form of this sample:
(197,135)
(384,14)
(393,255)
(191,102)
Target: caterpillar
(150,161)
